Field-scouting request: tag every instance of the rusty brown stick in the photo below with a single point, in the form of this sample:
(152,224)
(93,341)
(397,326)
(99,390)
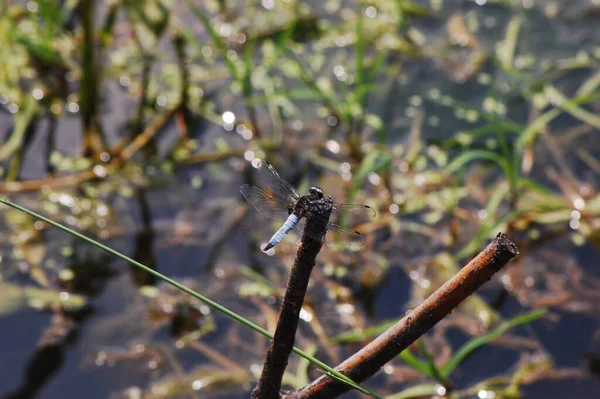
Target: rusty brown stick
(388,345)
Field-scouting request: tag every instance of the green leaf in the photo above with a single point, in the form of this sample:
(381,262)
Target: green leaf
(372,162)
(468,156)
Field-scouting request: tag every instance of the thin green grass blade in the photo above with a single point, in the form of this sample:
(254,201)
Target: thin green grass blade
(468,156)
(360,55)
(411,360)
(484,233)
(217,40)
(401,16)
(529,135)
(328,370)
(432,368)
(475,343)
(425,390)
(491,117)
(188,34)
(507,51)
(370,332)
(374,161)
(281,42)
(22,120)
(589,86)
(572,107)
(310,82)
(411,9)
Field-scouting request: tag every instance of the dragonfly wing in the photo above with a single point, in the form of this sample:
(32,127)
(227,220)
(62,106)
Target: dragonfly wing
(343,236)
(337,235)
(276,184)
(346,215)
(350,215)
(267,204)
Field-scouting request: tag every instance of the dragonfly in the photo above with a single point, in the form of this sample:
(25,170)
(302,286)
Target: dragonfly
(279,201)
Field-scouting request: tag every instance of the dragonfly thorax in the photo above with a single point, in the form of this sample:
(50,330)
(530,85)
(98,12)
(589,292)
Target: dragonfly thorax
(316,192)
(313,213)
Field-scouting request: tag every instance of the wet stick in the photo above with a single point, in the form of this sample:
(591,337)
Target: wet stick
(269,384)
(400,336)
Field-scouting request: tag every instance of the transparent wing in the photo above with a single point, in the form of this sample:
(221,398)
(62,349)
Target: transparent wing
(276,184)
(348,215)
(351,215)
(340,235)
(337,235)
(267,204)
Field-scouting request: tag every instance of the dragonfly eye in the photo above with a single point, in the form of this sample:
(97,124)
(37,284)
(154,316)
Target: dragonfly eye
(316,191)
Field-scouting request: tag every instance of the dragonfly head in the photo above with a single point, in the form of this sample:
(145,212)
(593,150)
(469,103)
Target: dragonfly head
(316,191)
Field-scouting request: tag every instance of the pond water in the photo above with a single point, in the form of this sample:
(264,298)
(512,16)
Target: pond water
(184,216)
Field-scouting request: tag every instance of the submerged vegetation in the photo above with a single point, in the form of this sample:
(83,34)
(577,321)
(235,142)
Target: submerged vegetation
(135,122)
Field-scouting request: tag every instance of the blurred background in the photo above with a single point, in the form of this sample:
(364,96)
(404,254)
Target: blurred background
(136,121)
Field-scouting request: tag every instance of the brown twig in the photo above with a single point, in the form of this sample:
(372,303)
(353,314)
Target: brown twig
(217,357)
(145,137)
(388,345)
(53,183)
(218,242)
(77,178)
(269,384)
(221,155)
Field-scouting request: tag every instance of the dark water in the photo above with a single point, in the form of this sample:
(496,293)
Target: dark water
(116,320)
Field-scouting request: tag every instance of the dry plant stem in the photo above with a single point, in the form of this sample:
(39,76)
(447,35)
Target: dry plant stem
(217,357)
(124,154)
(269,384)
(89,175)
(212,156)
(93,142)
(217,244)
(138,123)
(121,155)
(388,345)
(183,115)
(145,137)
